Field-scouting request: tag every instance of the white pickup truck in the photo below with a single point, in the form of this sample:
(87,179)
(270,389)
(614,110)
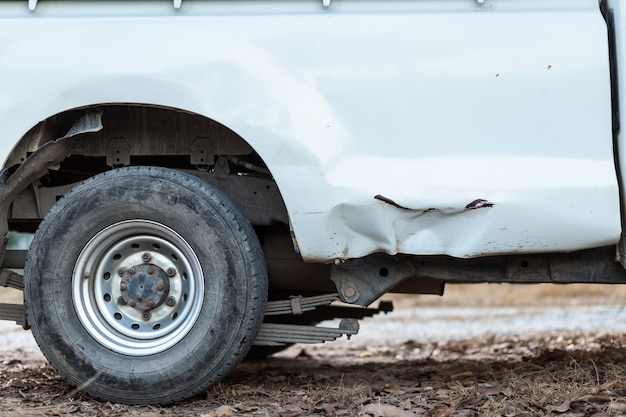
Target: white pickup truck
(206,177)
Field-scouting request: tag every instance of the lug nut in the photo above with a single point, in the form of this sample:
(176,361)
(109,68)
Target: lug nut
(146,316)
(123,287)
(132,270)
(121,272)
(170,272)
(132,303)
(170,301)
(146,257)
(121,301)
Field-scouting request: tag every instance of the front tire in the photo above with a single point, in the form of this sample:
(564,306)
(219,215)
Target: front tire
(145,285)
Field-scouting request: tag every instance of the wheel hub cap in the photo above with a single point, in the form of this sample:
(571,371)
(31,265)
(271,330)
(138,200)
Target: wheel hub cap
(138,287)
(144,287)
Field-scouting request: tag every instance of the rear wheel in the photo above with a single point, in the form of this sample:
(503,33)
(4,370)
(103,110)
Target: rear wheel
(145,285)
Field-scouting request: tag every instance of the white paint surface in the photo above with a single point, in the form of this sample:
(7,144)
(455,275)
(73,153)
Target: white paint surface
(431,104)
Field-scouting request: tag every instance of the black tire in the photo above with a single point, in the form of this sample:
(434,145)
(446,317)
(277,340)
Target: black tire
(145,286)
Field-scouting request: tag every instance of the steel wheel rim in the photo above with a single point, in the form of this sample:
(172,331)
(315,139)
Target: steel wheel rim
(103,289)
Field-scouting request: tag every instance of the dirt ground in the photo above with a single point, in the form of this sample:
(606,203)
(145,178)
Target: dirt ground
(529,375)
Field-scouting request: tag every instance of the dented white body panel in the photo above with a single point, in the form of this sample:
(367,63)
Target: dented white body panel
(418,127)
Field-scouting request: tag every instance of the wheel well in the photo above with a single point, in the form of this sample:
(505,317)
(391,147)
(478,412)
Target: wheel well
(145,135)
(168,138)
(133,134)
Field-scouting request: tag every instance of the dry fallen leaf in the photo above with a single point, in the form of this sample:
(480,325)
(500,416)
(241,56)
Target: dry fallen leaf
(245,407)
(617,407)
(607,385)
(489,390)
(561,408)
(291,413)
(598,398)
(223,411)
(393,389)
(407,404)
(386,410)
(466,374)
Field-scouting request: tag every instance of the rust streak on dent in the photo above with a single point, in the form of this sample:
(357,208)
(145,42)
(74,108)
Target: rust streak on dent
(478,203)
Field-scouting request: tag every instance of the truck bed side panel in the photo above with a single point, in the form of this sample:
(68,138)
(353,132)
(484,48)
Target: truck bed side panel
(419,127)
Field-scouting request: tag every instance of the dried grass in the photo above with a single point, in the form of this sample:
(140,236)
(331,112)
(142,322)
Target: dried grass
(573,375)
